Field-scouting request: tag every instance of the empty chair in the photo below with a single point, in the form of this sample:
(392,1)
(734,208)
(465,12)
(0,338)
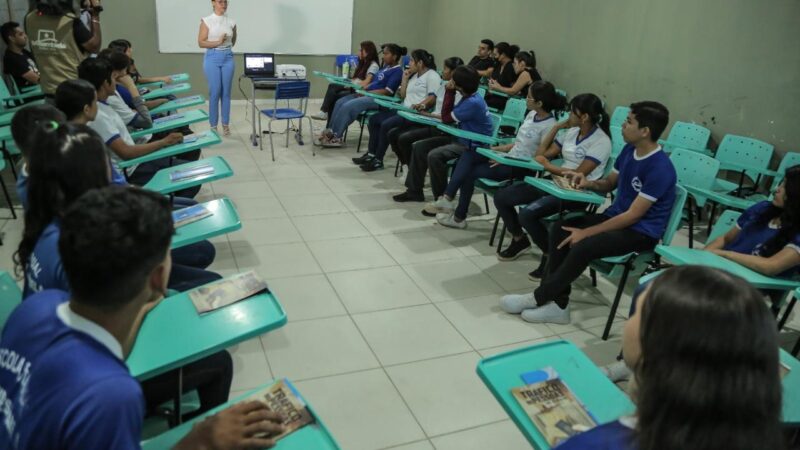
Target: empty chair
(750,157)
(687,135)
(294,90)
(514,113)
(696,172)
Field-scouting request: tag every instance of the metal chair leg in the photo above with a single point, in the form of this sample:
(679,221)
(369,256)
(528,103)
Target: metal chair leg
(787,313)
(494,230)
(501,238)
(271,144)
(261,134)
(8,199)
(287,133)
(486,202)
(396,168)
(617,297)
(691,222)
(311,135)
(360,136)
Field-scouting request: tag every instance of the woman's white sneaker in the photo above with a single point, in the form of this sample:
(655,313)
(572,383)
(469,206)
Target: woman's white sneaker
(549,313)
(516,303)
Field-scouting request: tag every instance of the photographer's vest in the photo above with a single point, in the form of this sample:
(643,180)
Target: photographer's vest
(55,49)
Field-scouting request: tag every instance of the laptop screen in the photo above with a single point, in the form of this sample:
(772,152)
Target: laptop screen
(259,64)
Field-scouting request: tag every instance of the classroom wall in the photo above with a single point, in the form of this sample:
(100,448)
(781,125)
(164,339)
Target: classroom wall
(731,65)
(377,20)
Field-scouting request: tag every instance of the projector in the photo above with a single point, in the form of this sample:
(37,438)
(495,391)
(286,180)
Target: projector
(291,71)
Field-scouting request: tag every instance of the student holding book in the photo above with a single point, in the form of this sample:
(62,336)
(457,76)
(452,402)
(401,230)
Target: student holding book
(71,389)
(585,147)
(704,350)
(645,181)
(368,66)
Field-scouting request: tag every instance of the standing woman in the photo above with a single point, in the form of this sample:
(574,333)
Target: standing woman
(218,35)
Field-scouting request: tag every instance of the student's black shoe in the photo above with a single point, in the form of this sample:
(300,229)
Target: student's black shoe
(408,197)
(372,165)
(366,157)
(537,274)
(515,249)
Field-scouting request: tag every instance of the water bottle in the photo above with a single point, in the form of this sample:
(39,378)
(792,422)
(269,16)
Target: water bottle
(346,69)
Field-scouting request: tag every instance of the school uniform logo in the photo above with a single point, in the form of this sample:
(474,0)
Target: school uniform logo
(580,153)
(636,184)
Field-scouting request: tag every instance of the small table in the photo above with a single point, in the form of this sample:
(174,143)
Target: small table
(205,139)
(179,103)
(177,78)
(506,160)
(170,89)
(171,122)
(500,373)
(163,184)
(463,134)
(224,219)
(397,106)
(419,118)
(565,194)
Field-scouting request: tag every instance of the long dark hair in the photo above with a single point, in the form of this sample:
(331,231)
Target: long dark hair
(426,58)
(789,214)
(592,105)
(504,48)
(371,56)
(708,373)
(552,102)
(69,160)
(528,57)
(453,62)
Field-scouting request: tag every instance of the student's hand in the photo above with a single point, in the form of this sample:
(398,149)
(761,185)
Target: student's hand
(127,82)
(222,41)
(172,139)
(419,107)
(236,428)
(159,101)
(451,85)
(577,179)
(407,73)
(577,235)
(493,84)
(165,80)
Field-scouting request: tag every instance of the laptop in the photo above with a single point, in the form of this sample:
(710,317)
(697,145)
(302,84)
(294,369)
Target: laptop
(259,65)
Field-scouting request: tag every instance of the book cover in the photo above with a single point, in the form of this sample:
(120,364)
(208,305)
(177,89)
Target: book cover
(227,291)
(188,215)
(190,138)
(194,172)
(554,410)
(161,120)
(282,398)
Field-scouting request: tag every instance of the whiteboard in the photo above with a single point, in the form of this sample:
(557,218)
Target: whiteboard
(294,27)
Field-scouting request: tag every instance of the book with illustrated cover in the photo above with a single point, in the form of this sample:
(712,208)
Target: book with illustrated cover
(188,215)
(194,172)
(282,398)
(564,183)
(227,291)
(161,120)
(554,410)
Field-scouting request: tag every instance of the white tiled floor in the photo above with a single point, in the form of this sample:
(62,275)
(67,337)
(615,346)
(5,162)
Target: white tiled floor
(388,313)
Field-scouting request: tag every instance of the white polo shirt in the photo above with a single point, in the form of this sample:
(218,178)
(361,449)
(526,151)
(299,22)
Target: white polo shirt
(595,146)
(109,125)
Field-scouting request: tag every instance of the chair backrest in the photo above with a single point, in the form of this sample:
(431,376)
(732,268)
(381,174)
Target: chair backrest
(482,91)
(745,151)
(406,61)
(687,135)
(676,215)
(562,93)
(617,142)
(619,115)
(4,91)
(496,119)
(292,90)
(10,296)
(694,169)
(514,112)
(790,159)
(724,223)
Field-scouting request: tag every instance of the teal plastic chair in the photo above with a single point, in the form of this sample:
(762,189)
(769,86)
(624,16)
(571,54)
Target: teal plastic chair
(724,223)
(696,172)
(5,189)
(689,136)
(635,263)
(748,156)
(514,113)
(617,141)
(562,93)
(790,159)
(619,116)
(12,100)
(10,296)
(482,92)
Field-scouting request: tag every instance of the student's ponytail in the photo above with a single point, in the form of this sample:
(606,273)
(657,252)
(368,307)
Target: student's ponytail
(529,58)
(396,50)
(426,58)
(552,102)
(592,105)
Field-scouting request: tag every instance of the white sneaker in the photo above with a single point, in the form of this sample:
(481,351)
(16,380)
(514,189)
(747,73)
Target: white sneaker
(549,313)
(444,205)
(515,303)
(320,116)
(449,220)
(617,371)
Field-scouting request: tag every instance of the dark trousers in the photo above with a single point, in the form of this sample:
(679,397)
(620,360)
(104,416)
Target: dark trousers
(432,155)
(380,126)
(145,172)
(402,139)
(189,264)
(470,167)
(535,206)
(334,92)
(565,265)
(210,376)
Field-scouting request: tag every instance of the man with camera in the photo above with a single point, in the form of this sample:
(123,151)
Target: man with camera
(60,40)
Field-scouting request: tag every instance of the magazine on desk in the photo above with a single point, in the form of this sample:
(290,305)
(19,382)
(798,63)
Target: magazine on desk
(553,408)
(188,215)
(193,172)
(282,398)
(225,292)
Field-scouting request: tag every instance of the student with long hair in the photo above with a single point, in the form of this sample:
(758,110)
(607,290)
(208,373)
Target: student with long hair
(368,66)
(585,148)
(418,91)
(347,108)
(504,73)
(704,350)
(525,67)
(644,179)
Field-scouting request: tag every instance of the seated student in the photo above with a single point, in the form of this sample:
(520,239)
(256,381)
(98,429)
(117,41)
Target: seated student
(704,349)
(473,166)
(525,68)
(645,181)
(109,125)
(363,76)
(483,61)
(134,117)
(17,60)
(585,148)
(349,107)
(418,91)
(471,114)
(69,160)
(72,389)
(125,46)
(503,74)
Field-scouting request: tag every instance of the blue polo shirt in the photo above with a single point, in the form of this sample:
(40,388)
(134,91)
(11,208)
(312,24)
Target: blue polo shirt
(125,95)
(652,177)
(45,270)
(611,436)
(388,78)
(63,383)
(472,115)
(754,233)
